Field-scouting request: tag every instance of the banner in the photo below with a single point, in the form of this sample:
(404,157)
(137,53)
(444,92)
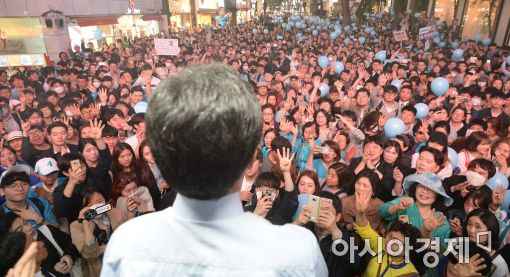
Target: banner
(166,47)
(400,36)
(427,32)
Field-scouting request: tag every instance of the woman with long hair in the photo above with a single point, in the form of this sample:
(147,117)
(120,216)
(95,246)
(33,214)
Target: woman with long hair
(150,176)
(123,160)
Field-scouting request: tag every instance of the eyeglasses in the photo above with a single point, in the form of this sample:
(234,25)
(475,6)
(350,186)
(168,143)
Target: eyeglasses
(14,186)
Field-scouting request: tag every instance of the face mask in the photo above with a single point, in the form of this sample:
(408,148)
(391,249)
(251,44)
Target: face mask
(168,65)
(469,132)
(330,59)
(69,113)
(96,85)
(474,178)
(46,87)
(481,84)
(245,68)
(59,90)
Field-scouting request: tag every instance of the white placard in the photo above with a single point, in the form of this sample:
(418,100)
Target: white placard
(166,46)
(427,32)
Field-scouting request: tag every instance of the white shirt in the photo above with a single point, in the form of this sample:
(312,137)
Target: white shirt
(213,238)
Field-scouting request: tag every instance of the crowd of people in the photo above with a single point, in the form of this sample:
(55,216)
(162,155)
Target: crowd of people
(76,164)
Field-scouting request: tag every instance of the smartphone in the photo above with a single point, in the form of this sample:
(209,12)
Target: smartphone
(75,164)
(324,150)
(314,205)
(496,163)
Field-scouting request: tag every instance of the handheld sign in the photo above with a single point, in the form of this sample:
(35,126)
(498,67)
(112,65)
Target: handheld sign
(166,47)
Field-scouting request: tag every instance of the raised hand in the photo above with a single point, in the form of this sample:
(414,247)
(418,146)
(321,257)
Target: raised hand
(404,203)
(433,222)
(362,201)
(96,129)
(285,159)
(103,96)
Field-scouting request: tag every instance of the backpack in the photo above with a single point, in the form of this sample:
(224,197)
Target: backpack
(37,203)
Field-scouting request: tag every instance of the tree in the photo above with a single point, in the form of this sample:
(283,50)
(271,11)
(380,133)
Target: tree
(346,13)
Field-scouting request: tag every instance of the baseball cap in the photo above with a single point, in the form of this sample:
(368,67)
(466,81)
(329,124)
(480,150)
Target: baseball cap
(14,135)
(46,166)
(17,168)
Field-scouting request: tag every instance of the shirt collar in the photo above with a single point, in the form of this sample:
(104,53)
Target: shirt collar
(207,210)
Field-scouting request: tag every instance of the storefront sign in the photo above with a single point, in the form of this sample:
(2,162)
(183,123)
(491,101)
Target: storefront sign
(427,32)
(166,47)
(400,36)
(21,36)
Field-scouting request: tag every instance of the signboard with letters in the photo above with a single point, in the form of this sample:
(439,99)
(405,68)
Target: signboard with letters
(400,35)
(166,47)
(427,32)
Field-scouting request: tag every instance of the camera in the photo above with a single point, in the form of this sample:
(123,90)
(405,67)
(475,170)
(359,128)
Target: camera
(92,213)
(100,235)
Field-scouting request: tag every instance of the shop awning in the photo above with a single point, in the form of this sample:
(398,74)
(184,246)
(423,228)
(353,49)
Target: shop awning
(95,20)
(149,17)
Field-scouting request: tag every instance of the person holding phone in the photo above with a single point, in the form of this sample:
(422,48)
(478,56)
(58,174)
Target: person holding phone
(327,230)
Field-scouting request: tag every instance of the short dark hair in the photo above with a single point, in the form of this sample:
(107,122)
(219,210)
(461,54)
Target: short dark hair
(64,162)
(267,179)
(485,165)
(12,247)
(410,108)
(205,131)
(55,125)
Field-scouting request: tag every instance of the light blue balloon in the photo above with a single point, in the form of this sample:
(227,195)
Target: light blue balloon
(394,127)
(478,38)
(381,55)
(324,89)
(333,35)
(376,40)
(347,28)
(486,41)
(339,67)
(254,31)
(436,40)
(367,30)
(442,44)
(347,41)
(455,45)
(457,54)
(266,31)
(508,61)
(439,86)
(373,33)
(338,28)
(291,24)
(141,107)
(299,24)
(453,157)
(384,28)
(323,61)
(303,26)
(288,28)
(278,37)
(355,28)
(361,40)
(439,22)
(284,25)
(422,110)
(498,180)
(417,15)
(397,83)
(315,33)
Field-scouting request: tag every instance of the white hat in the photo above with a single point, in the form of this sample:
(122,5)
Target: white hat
(46,166)
(14,135)
(17,168)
